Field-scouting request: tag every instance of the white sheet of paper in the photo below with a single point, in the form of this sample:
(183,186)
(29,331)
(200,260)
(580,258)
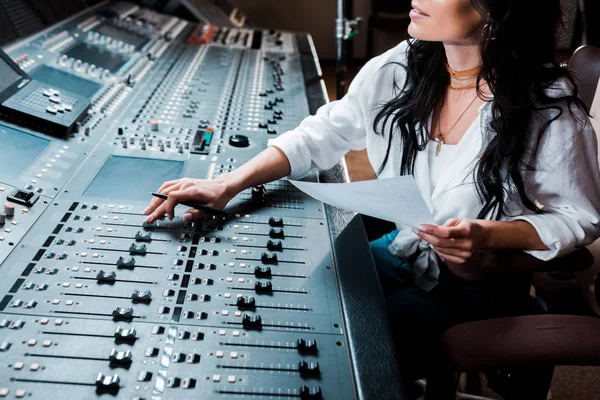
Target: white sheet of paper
(394,199)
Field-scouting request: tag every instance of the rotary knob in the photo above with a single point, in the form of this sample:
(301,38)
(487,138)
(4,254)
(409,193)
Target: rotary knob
(239,141)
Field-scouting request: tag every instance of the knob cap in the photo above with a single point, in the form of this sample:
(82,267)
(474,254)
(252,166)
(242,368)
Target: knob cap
(239,141)
(263,272)
(276,233)
(122,314)
(309,368)
(263,287)
(125,335)
(268,259)
(307,345)
(311,393)
(141,297)
(251,321)
(107,383)
(246,303)
(104,277)
(274,246)
(276,222)
(120,357)
(126,264)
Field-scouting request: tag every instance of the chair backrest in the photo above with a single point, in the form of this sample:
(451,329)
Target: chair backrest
(390,6)
(585,65)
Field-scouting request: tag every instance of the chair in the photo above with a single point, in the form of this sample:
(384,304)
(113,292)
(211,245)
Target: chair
(388,16)
(530,346)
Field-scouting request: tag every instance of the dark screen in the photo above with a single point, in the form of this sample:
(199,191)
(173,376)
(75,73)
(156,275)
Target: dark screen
(66,81)
(129,178)
(8,76)
(18,150)
(97,56)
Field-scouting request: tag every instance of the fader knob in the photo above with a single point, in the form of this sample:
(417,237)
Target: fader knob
(263,287)
(276,233)
(246,303)
(239,141)
(108,383)
(120,357)
(106,277)
(125,335)
(141,297)
(123,264)
(9,210)
(154,125)
(251,321)
(263,272)
(276,222)
(274,246)
(2,219)
(268,259)
(307,346)
(309,368)
(122,314)
(311,393)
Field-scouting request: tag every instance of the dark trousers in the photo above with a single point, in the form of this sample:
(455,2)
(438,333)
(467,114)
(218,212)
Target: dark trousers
(419,318)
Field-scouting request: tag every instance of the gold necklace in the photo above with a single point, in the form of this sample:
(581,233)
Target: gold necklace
(473,86)
(439,138)
(463,74)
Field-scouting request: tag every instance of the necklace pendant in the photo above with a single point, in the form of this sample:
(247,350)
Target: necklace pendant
(438,148)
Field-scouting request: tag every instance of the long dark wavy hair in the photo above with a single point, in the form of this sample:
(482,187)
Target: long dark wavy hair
(518,63)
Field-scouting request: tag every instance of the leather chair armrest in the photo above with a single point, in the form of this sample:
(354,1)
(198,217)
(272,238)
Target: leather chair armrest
(524,340)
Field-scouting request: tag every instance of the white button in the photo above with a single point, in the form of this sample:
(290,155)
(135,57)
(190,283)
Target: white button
(69,302)
(91,241)
(231,379)
(4,392)
(216,378)
(87,270)
(75,269)
(34,366)
(227,295)
(31,342)
(238,313)
(66,284)
(219,354)
(234,354)
(79,285)
(235,333)
(58,322)
(19,365)
(222,332)
(47,343)
(20,393)
(225,313)
(44,321)
(56,302)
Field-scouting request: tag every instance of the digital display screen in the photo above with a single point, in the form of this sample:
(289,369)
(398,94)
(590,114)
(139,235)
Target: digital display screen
(8,76)
(97,56)
(18,151)
(133,179)
(117,33)
(64,80)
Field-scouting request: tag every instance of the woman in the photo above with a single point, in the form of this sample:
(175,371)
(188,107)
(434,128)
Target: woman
(502,150)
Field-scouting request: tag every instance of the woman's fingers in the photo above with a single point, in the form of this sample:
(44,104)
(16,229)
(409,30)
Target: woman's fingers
(193,215)
(164,189)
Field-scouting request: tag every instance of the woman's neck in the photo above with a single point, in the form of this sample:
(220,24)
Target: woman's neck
(462,57)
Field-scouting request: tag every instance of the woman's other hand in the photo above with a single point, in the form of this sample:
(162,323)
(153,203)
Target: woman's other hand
(457,240)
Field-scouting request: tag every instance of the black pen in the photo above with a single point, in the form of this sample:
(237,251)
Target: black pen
(202,207)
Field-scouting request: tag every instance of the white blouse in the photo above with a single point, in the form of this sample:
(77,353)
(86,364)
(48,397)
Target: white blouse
(566,179)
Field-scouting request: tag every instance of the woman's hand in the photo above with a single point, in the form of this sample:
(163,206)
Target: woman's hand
(215,193)
(457,240)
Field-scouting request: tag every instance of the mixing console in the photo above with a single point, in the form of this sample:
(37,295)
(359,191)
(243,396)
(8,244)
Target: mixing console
(94,302)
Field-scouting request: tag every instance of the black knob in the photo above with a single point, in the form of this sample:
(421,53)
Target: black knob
(307,345)
(120,357)
(125,335)
(122,314)
(134,250)
(259,195)
(251,321)
(263,272)
(239,141)
(274,246)
(103,277)
(309,368)
(311,393)
(143,237)
(141,297)
(276,233)
(276,222)
(268,259)
(246,303)
(263,287)
(107,383)
(126,264)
